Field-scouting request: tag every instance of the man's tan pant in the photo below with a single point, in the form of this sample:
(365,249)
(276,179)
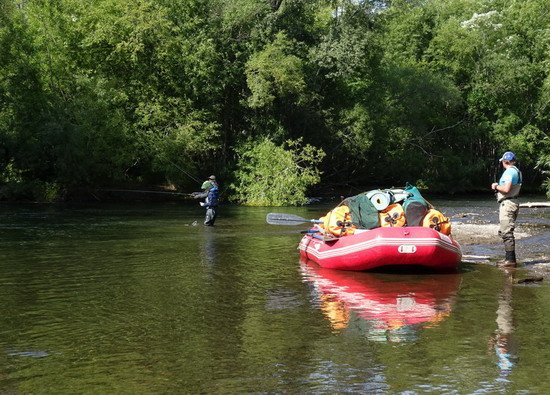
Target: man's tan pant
(507,215)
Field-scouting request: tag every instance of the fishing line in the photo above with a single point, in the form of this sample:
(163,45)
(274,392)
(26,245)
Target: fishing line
(184,172)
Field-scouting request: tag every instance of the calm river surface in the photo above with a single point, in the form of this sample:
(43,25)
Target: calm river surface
(142,298)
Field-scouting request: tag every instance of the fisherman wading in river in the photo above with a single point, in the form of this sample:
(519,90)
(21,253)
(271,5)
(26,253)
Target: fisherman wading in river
(507,191)
(210,194)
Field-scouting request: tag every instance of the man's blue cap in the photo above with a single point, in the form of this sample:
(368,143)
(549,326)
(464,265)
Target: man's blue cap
(509,155)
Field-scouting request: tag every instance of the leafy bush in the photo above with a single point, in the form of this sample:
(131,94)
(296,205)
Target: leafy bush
(272,175)
(544,166)
(33,190)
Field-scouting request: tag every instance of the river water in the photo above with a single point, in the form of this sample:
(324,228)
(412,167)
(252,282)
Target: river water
(144,299)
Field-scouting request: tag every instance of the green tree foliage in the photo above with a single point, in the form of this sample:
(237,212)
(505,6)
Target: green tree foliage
(272,175)
(346,69)
(274,74)
(544,166)
(493,56)
(59,131)
(109,92)
(159,61)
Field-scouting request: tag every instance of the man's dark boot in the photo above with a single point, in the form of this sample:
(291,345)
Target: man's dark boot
(509,260)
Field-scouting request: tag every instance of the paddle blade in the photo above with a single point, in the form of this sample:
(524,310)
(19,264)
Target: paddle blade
(286,219)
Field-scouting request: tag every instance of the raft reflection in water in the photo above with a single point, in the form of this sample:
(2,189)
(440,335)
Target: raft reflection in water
(391,307)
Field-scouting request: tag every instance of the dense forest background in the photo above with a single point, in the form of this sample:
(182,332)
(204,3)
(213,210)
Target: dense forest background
(273,96)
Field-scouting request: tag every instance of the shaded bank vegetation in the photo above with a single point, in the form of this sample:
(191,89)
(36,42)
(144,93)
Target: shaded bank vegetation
(262,93)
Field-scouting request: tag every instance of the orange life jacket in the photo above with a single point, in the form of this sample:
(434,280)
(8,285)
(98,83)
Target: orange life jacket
(393,215)
(436,220)
(338,221)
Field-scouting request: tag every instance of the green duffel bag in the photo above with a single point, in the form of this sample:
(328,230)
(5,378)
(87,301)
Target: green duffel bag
(363,213)
(415,206)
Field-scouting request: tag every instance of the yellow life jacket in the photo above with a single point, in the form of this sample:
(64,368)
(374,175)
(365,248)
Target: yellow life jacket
(436,220)
(338,221)
(393,215)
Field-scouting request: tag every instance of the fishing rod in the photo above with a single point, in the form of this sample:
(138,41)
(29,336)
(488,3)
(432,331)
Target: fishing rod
(496,172)
(141,191)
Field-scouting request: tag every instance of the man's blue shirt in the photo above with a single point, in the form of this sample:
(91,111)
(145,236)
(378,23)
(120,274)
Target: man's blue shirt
(510,175)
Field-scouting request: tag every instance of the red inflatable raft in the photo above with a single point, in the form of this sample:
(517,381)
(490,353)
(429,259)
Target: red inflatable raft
(384,246)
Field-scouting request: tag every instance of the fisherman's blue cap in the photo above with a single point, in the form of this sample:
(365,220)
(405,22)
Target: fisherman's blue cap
(508,155)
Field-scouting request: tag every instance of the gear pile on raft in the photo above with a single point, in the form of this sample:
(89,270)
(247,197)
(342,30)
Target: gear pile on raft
(382,227)
(383,208)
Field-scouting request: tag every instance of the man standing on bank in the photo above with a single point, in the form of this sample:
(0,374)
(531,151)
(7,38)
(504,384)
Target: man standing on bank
(507,190)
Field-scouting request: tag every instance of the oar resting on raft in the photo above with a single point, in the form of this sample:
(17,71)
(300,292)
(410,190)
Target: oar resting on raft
(291,219)
(288,219)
